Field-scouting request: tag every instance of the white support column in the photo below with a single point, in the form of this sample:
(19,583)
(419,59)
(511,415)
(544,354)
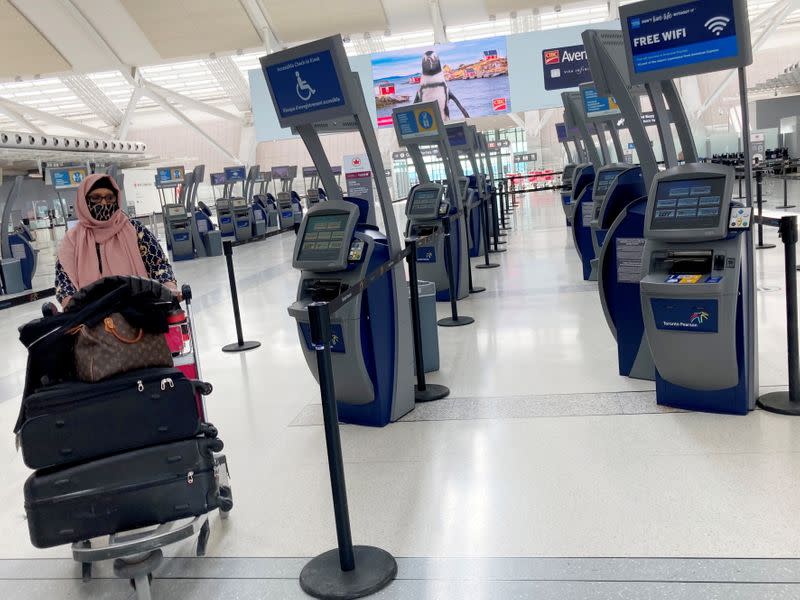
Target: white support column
(53,119)
(187,102)
(439,31)
(247,145)
(163,103)
(122,130)
(20,119)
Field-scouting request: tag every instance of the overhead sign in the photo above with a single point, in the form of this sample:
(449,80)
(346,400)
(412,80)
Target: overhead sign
(561,132)
(565,67)
(665,39)
(597,106)
(306,84)
(416,123)
(69,178)
(525,157)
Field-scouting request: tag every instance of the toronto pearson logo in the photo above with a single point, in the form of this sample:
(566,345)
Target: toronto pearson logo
(698,317)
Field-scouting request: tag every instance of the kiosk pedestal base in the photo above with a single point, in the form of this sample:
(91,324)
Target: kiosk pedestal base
(779,402)
(323,577)
(451,322)
(236,347)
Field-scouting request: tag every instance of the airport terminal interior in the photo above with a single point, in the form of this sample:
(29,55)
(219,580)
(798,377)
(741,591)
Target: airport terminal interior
(485,299)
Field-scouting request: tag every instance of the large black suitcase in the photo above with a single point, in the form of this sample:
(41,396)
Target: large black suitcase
(74,422)
(123,492)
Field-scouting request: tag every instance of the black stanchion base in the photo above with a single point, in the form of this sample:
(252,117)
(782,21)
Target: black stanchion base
(764,246)
(779,402)
(477,290)
(451,322)
(785,207)
(485,266)
(498,250)
(431,392)
(235,347)
(323,577)
(505,229)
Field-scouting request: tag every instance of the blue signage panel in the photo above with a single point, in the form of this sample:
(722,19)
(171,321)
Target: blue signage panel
(426,254)
(681,35)
(561,132)
(596,105)
(685,315)
(565,67)
(234,174)
(305,84)
(457,137)
(165,175)
(217,178)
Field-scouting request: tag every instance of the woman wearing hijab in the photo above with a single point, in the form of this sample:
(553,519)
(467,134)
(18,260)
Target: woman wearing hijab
(106,242)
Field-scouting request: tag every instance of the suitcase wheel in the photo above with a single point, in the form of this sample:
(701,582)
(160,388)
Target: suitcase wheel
(225,501)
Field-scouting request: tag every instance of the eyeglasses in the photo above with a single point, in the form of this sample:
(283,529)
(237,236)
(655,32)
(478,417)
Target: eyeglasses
(101,198)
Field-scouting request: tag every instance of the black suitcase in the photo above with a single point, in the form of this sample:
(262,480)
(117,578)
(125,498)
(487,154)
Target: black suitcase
(123,492)
(75,422)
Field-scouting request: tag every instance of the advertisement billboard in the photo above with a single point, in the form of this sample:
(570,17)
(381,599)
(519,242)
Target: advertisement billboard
(565,67)
(467,79)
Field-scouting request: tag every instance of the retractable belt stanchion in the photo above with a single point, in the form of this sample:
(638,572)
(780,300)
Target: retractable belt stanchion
(346,571)
(454,320)
(788,403)
(485,220)
(240,344)
(785,191)
(503,202)
(759,201)
(423,392)
(496,206)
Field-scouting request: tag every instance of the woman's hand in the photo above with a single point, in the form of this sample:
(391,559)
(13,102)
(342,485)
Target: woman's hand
(173,287)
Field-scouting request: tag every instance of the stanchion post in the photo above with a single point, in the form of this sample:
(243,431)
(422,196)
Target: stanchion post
(759,203)
(786,204)
(423,392)
(788,403)
(346,571)
(503,209)
(454,320)
(240,345)
(485,219)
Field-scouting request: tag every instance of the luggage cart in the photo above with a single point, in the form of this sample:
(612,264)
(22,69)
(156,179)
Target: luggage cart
(137,554)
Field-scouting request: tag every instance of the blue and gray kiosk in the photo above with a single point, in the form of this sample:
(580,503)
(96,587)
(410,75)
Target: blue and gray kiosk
(313,89)
(696,291)
(430,204)
(463,142)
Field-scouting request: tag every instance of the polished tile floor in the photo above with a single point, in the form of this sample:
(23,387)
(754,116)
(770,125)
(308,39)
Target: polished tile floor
(543,453)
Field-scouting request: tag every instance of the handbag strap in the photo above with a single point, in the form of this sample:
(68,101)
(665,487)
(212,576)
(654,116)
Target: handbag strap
(110,327)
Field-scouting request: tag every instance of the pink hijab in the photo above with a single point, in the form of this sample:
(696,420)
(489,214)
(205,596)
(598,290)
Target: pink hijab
(117,240)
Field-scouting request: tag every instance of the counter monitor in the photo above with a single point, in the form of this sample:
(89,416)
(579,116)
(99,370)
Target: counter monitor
(324,237)
(688,204)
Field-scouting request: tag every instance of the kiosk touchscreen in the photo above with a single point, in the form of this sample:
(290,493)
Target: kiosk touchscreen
(179,232)
(691,293)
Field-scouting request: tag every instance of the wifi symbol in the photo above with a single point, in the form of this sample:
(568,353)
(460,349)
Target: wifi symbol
(717,24)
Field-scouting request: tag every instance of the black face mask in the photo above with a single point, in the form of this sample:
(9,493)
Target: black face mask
(103,212)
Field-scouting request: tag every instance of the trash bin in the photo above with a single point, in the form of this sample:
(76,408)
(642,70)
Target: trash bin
(12,275)
(427,321)
(213,242)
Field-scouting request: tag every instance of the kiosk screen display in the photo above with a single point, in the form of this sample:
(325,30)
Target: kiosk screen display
(233,174)
(604,181)
(688,204)
(337,170)
(280,172)
(176,211)
(323,239)
(217,178)
(424,203)
(457,137)
(309,171)
(170,175)
(561,132)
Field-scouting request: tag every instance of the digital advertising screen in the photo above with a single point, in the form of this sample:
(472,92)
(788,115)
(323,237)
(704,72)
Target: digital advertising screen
(467,79)
(688,204)
(597,106)
(170,175)
(565,67)
(684,38)
(323,239)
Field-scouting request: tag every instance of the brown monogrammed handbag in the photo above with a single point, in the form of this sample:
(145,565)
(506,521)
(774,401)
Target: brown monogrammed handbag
(113,347)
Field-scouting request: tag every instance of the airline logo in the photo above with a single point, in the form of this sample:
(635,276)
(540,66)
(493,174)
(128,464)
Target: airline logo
(552,57)
(356,162)
(499,104)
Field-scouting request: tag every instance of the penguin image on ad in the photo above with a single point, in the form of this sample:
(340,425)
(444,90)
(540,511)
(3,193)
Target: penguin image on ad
(433,86)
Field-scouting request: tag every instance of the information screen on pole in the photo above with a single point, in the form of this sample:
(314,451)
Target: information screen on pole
(281,172)
(561,132)
(457,136)
(217,178)
(665,39)
(170,176)
(597,106)
(67,178)
(309,83)
(309,171)
(418,123)
(234,174)
(337,170)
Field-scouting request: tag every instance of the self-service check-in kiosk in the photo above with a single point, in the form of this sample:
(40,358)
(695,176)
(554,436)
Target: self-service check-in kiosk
(179,230)
(691,293)
(336,247)
(417,125)
(426,207)
(223,205)
(240,212)
(288,199)
(18,258)
(258,212)
(463,141)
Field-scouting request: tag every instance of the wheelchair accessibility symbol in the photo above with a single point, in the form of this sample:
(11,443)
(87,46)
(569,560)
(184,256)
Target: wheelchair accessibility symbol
(304,91)
(426,119)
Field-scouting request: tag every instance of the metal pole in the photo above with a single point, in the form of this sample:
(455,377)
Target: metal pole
(759,187)
(485,220)
(320,325)
(788,403)
(240,344)
(422,391)
(454,320)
